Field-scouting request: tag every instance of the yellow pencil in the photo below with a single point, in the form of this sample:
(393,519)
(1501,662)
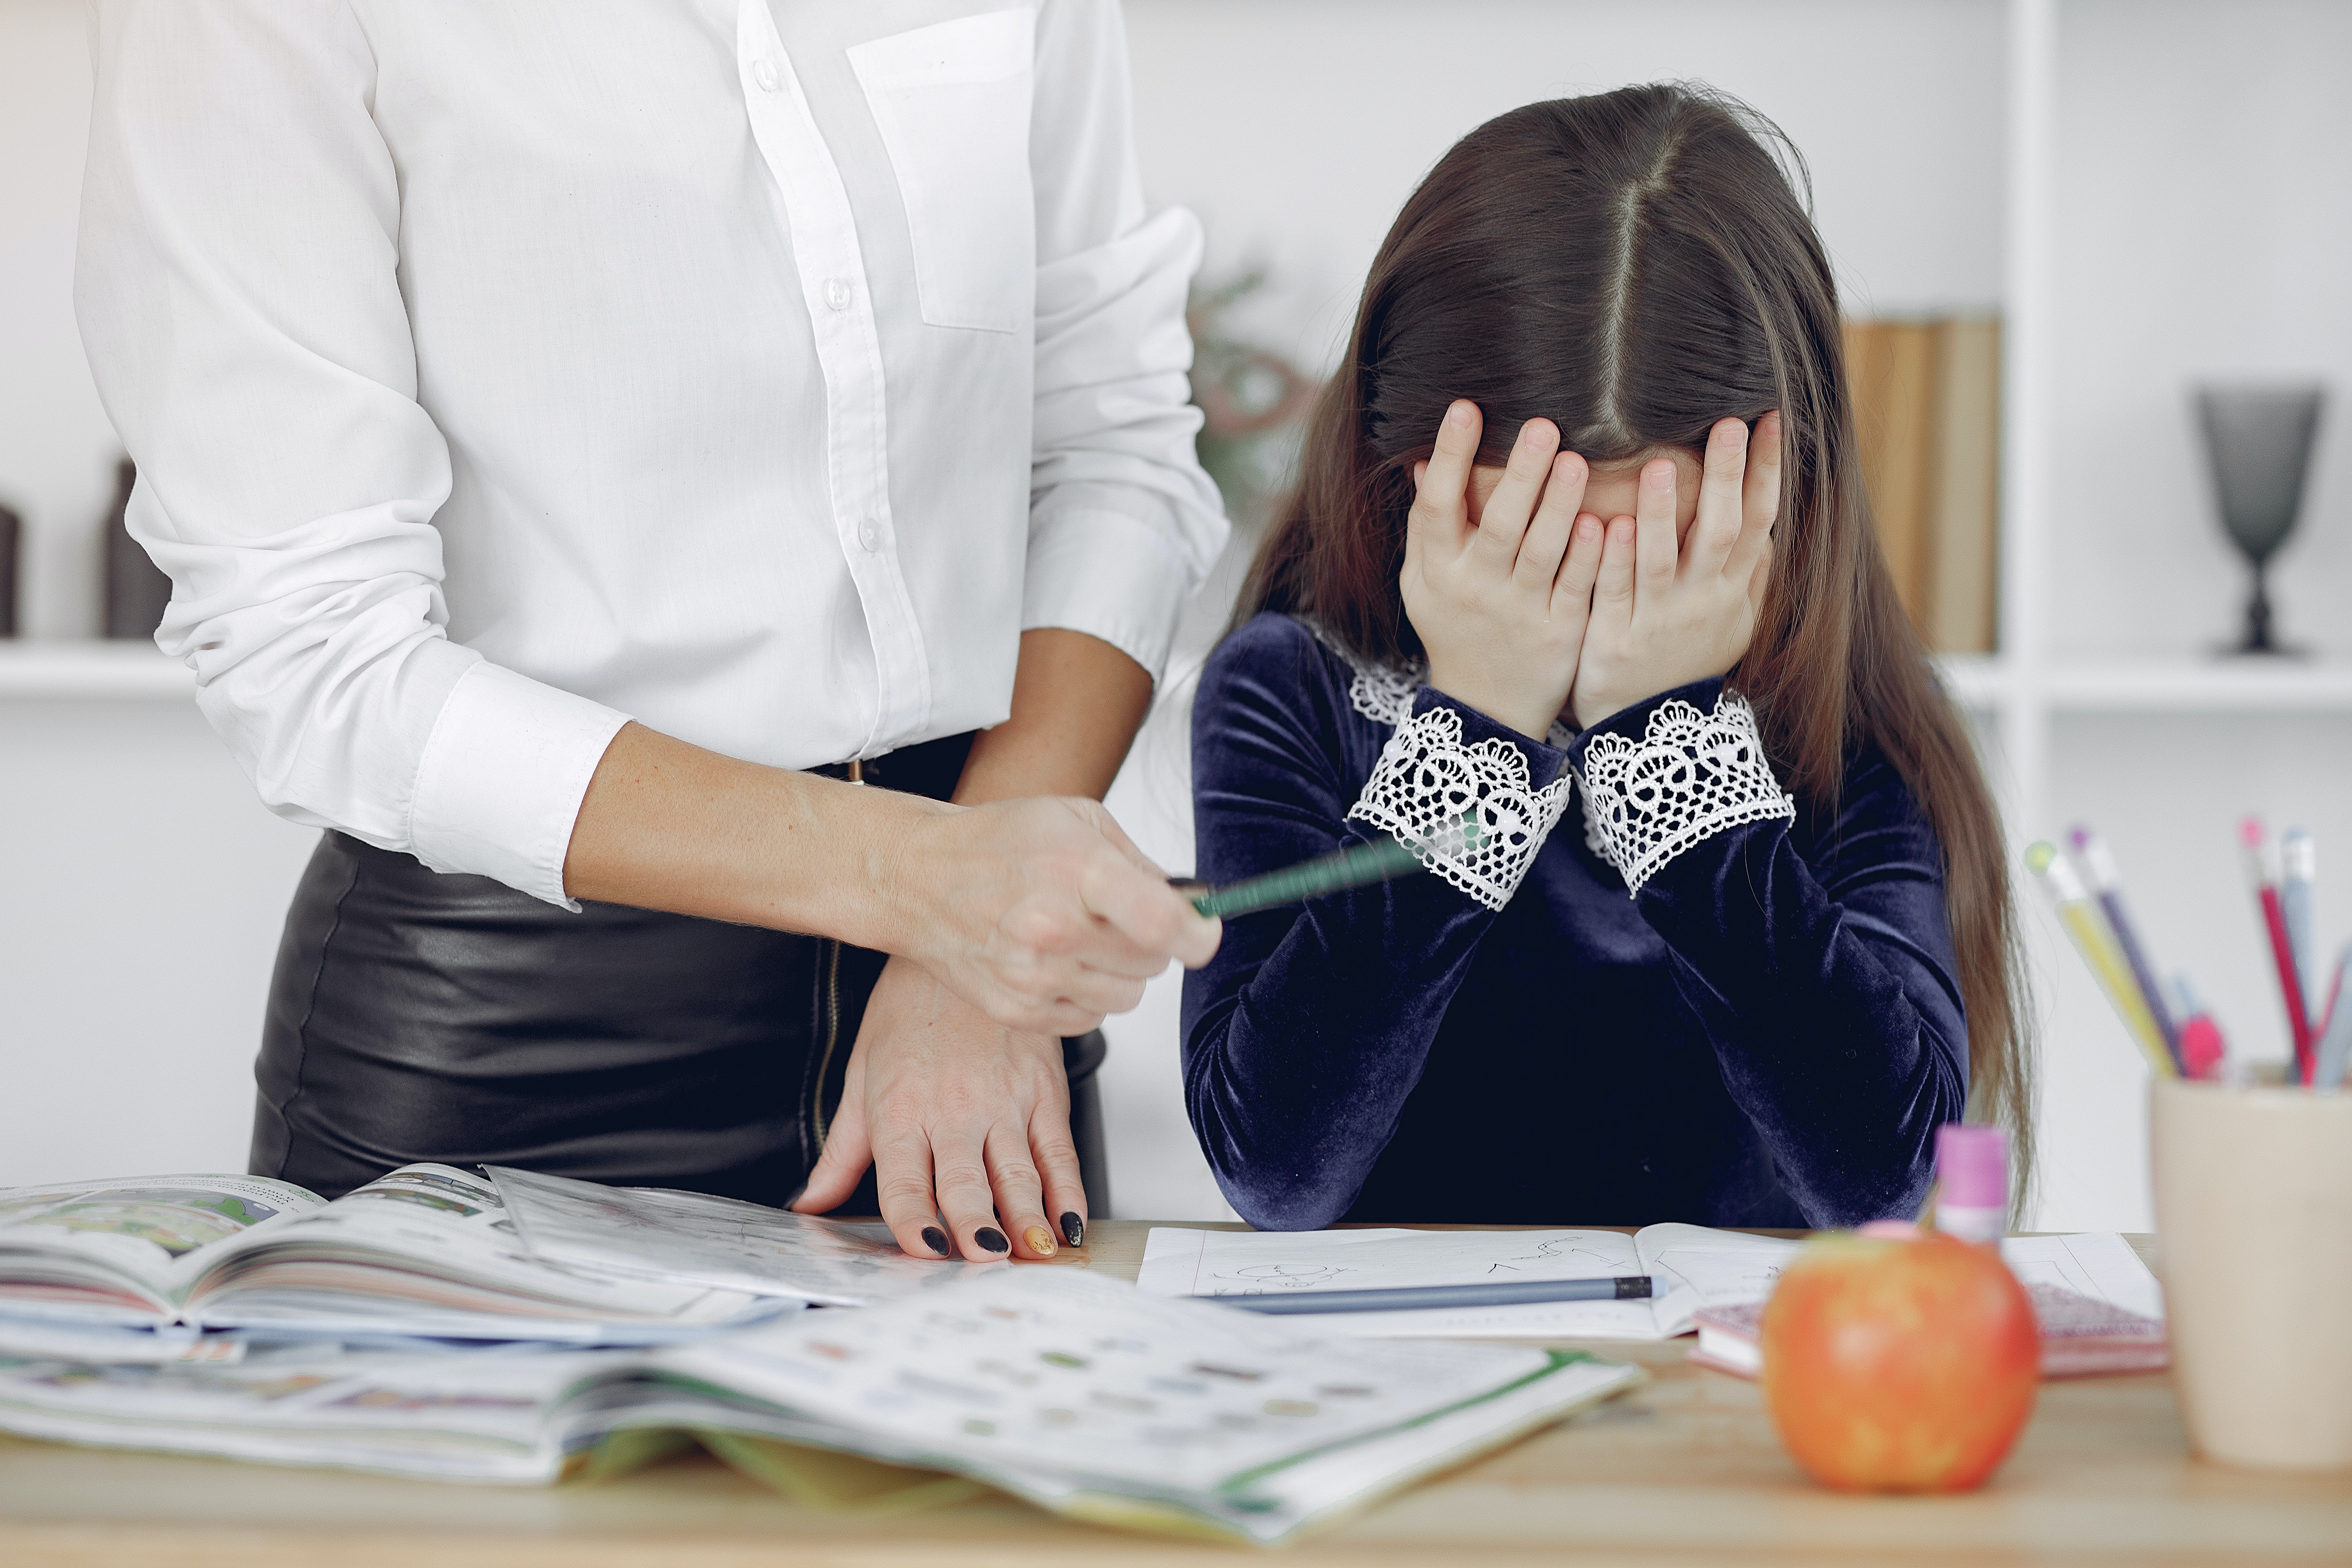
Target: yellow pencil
(2086,924)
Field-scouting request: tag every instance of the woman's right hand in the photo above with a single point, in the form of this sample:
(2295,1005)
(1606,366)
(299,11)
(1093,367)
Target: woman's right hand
(1040,911)
(1500,603)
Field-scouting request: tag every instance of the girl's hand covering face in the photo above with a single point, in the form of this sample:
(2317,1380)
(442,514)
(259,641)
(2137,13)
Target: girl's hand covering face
(1500,603)
(1663,619)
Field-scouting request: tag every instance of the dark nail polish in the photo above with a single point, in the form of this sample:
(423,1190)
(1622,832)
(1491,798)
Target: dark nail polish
(989,1236)
(936,1239)
(1074,1230)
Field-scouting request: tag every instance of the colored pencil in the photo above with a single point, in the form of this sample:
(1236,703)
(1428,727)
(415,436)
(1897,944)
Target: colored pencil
(2298,870)
(2087,926)
(2093,851)
(1421,1298)
(1358,865)
(2259,871)
(2333,1053)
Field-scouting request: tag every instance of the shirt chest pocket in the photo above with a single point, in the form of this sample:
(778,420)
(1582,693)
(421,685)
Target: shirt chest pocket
(953,104)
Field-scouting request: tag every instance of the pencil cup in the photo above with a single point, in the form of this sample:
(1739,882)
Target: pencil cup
(2253,1214)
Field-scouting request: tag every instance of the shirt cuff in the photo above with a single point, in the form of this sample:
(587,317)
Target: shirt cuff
(502,777)
(1110,576)
(1671,773)
(1473,799)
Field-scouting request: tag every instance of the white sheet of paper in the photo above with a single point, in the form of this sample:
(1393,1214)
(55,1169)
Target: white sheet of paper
(2097,1264)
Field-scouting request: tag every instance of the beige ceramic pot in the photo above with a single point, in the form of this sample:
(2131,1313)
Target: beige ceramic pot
(2253,1214)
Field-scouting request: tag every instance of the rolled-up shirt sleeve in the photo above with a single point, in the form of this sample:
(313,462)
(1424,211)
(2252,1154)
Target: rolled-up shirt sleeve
(238,295)
(1123,523)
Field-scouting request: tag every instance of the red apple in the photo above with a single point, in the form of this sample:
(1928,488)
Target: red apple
(1899,1364)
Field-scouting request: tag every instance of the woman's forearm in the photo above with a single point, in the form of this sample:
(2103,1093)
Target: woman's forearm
(668,826)
(1078,702)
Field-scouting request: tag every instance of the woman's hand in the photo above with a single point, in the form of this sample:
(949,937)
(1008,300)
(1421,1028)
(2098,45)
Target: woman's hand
(1664,618)
(942,1099)
(1500,603)
(1040,911)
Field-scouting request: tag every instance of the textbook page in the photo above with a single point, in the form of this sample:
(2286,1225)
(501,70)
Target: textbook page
(1058,1370)
(120,1251)
(1693,1265)
(692,1237)
(429,1249)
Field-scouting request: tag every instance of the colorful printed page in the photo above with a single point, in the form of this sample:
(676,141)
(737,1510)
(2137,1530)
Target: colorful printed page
(693,1237)
(429,1249)
(1057,1370)
(1692,1266)
(120,1250)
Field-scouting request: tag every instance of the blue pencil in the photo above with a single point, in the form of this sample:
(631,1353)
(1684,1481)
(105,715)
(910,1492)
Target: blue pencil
(1420,1297)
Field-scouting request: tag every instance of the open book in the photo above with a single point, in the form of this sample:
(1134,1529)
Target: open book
(426,1250)
(1077,1392)
(1692,1266)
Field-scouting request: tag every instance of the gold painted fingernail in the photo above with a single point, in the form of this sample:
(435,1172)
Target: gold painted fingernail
(1039,1239)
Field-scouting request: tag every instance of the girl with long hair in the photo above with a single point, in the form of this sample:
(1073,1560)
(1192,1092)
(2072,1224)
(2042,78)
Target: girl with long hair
(1579,597)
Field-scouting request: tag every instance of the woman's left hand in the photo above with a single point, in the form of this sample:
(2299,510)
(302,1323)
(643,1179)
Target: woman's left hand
(1664,617)
(963,1120)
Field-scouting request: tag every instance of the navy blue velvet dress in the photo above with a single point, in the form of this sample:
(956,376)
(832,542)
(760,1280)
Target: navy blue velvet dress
(1767,1032)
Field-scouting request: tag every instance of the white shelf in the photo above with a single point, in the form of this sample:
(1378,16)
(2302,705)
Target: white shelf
(2164,685)
(119,671)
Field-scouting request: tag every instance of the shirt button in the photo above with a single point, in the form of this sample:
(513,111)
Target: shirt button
(837,293)
(764,72)
(869,534)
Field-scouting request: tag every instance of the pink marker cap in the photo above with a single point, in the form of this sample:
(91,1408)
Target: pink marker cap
(1972,1167)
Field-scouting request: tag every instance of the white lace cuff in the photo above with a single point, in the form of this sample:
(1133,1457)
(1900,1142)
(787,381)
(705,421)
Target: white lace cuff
(1469,813)
(1693,776)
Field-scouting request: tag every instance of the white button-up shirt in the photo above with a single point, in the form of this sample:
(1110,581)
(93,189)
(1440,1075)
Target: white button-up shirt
(497,373)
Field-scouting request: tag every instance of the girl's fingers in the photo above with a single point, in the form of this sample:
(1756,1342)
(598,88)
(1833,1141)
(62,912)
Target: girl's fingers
(1760,576)
(1716,531)
(1759,503)
(1546,542)
(1571,593)
(1441,507)
(1653,520)
(1503,521)
(1612,585)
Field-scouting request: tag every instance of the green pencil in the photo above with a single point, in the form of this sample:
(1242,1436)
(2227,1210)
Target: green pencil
(1358,866)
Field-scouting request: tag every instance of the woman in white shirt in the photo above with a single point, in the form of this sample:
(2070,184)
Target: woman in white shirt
(573,432)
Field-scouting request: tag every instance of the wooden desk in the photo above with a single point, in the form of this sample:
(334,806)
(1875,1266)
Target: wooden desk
(1683,1470)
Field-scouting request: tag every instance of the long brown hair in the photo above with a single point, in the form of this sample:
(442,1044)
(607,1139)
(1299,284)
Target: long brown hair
(1634,266)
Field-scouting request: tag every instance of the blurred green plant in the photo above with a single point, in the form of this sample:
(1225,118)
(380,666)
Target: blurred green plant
(1253,403)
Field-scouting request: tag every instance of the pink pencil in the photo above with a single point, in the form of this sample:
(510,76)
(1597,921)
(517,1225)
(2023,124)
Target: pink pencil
(2258,869)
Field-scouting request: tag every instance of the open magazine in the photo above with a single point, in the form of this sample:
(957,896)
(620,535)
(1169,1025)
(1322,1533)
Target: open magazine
(427,1250)
(1692,1266)
(1077,1392)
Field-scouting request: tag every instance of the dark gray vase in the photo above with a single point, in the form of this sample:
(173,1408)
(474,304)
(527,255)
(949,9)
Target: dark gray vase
(2258,445)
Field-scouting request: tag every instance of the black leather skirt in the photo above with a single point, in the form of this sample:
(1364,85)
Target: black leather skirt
(414,1015)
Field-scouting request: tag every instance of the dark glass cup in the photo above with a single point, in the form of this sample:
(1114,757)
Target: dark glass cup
(2258,445)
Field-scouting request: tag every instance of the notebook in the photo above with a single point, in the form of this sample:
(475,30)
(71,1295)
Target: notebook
(2080,1337)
